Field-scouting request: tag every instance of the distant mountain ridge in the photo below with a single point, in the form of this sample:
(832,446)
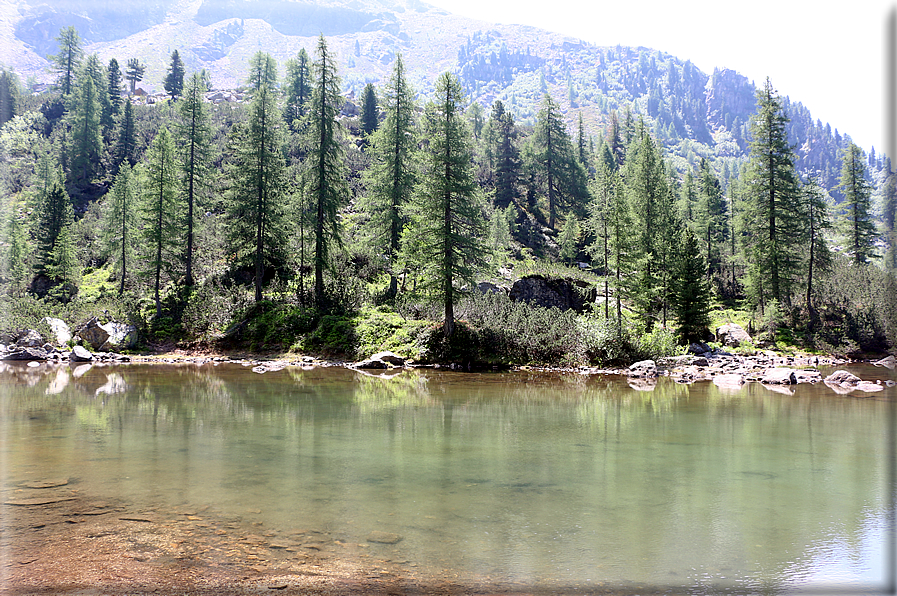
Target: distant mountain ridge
(694,114)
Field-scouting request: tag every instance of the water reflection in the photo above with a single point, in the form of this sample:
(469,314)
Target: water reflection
(549,480)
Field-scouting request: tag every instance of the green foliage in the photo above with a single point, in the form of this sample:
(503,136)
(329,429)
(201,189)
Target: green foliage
(55,216)
(66,62)
(174,80)
(262,71)
(86,143)
(120,223)
(691,292)
(855,221)
(134,72)
(298,90)
(370,113)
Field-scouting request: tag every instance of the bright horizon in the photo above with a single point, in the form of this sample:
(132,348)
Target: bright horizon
(810,54)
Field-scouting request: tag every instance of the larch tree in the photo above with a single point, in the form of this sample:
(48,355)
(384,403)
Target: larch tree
(298,89)
(712,218)
(262,71)
(819,256)
(160,212)
(391,177)
(120,223)
(446,220)
(325,163)
(774,209)
(257,187)
(194,137)
(174,80)
(563,177)
(67,61)
(86,140)
(856,222)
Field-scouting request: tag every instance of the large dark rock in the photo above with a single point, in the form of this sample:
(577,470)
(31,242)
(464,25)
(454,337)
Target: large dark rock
(25,354)
(565,294)
(93,333)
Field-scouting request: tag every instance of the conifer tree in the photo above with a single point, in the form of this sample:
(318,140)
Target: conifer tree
(9,96)
(93,68)
(713,216)
(446,223)
(126,144)
(298,89)
(856,223)
(774,208)
(257,188)
(174,80)
(113,73)
(691,291)
(563,176)
(66,62)
(62,264)
(55,215)
(819,257)
(15,263)
(506,155)
(160,212)
(134,73)
(391,177)
(194,135)
(889,215)
(568,240)
(370,112)
(262,71)
(86,141)
(120,223)
(325,163)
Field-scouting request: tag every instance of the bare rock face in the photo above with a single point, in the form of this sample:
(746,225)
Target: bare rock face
(732,334)
(120,335)
(60,330)
(565,294)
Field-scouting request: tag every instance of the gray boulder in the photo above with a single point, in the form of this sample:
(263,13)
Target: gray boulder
(80,354)
(25,354)
(645,369)
(699,349)
(121,335)
(779,376)
(732,334)
(93,334)
(565,294)
(842,378)
(60,330)
(29,338)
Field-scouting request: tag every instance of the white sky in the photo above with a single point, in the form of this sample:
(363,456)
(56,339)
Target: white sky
(827,54)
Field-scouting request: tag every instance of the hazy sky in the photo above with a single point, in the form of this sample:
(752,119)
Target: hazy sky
(827,55)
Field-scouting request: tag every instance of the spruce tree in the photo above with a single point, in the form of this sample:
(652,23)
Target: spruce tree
(160,212)
(194,136)
(370,112)
(55,215)
(856,223)
(712,218)
(775,213)
(391,177)
(325,164)
(257,188)
(114,75)
(126,144)
(446,222)
(174,80)
(120,223)
(506,155)
(691,295)
(66,62)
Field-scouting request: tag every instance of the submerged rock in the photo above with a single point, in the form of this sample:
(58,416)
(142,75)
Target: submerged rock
(779,376)
(643,369)
(842,378)
(383,537)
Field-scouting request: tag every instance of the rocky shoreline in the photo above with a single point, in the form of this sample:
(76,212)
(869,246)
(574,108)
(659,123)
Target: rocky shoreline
(725,370)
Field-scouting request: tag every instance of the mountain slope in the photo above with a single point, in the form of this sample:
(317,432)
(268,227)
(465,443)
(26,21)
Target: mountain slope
(694,114)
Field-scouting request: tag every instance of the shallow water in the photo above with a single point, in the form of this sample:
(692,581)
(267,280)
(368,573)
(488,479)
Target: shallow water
(556,481)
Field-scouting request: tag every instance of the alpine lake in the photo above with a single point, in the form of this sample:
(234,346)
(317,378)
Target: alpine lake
(215,479)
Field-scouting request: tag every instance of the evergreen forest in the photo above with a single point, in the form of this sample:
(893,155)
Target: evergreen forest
(295,220)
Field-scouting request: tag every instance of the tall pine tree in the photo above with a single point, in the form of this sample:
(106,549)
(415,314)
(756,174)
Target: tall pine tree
(856,223)
(446,224)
